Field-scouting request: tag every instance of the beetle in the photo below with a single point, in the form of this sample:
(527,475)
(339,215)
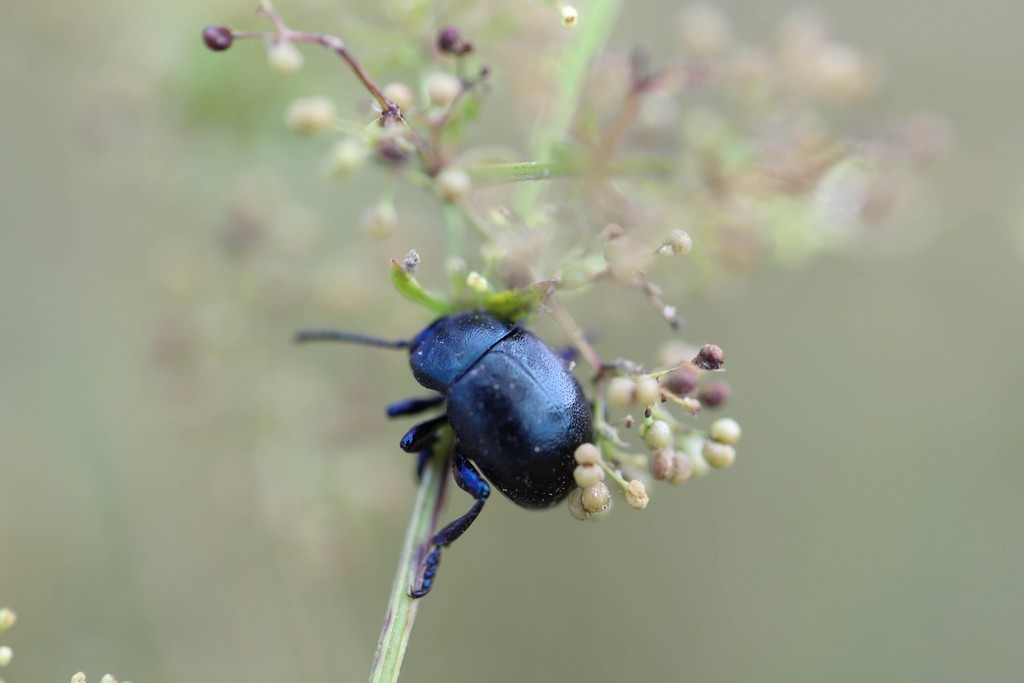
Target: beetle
(516,412)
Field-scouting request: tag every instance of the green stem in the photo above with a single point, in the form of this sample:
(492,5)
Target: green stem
(594,28)
(394,635)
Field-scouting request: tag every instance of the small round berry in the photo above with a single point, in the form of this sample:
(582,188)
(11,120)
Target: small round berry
(345,157)
(682,468)
(6,654)
(621,392)
(587,454)
(587,475)
(570,16)
(718,455)
(452,184)
(442,88)
(284,58)
(682,380)
(379,221)
(725,430)
(309,115)
(596,498)
(662,464)
(576,508)
(636,495)
(648,391)
(714,394)
(218,38)
(7,618)
(678,243)
(710,357)
(658,435)
(400,94)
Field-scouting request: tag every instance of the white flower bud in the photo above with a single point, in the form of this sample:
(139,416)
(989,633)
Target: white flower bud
(725,430)
(309,115)
(570,16)
(587,454)
(284,58)
(718,455)
(442,89)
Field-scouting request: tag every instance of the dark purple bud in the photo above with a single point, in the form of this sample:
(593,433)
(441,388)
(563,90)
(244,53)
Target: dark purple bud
(714,394)
(449,39)
(391,152)
(682,380)
(218,38)
(710,357)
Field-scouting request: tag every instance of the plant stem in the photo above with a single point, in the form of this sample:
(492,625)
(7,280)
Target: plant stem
(394,635)
(594,29)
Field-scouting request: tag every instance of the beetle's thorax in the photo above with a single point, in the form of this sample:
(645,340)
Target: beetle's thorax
(443,352)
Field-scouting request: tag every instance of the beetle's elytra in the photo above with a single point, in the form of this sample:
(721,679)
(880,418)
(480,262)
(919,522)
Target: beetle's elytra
(516,411)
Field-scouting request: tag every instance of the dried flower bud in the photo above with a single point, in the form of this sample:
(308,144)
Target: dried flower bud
(714,394)
(636,495)
(710,357)
(725,430)
(442,88)
(400,94)
(621,392)
(662,466)
(648,391)
(681,381)
(658,435)
(576,508)
(587,454)
(284,58)
(309,115)
(587,475)
(411,262)
(718,455)
(596,498)
(218,38)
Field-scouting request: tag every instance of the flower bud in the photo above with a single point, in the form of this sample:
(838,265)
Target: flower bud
(284,58)
(442,89)
(587,475)
(476,282)
(678,243)
(7,618)
(452,184)
(570,16)
(658,435)
(309,115)
(718,455)
(621,392)
(725,430)
(682,468)
(576,508)
(108,678)
(218,38)
(714,394)
(662,464)
(648,391)
(345,157)
(379,221)
(681,381)
(400,94)
(636,495)
(587,454)
(596,498)
(78,678)
(6,654)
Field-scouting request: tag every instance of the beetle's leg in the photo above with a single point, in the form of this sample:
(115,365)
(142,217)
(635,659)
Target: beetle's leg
(470,481)
(414,406)
(421,434)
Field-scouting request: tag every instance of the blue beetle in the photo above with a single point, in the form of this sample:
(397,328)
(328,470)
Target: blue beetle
(516,411)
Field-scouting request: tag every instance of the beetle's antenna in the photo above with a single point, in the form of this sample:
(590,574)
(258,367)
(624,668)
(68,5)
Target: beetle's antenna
(338,336)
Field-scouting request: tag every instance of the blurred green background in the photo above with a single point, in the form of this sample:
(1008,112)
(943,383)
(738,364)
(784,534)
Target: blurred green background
(172,514)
